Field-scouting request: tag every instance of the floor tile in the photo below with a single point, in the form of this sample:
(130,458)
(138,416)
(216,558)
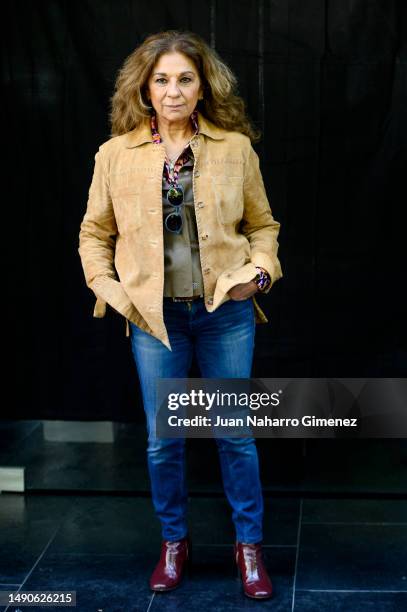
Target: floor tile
(353,557)
(109,525)
(354,510)
(26,526)
(308,601)
(109,582)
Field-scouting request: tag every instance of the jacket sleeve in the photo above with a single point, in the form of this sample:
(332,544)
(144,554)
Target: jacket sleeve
(98,230)
(258,224)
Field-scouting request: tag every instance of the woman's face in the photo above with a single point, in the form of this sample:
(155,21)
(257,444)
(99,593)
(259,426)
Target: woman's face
(174,87)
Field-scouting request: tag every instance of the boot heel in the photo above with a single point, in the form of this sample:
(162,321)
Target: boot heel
(188,563)
(236,568)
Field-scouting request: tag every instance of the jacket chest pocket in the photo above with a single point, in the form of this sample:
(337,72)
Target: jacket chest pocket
(228,195)
(127,209)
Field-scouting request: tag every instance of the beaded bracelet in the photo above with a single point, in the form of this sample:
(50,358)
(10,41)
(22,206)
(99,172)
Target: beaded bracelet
(262,279)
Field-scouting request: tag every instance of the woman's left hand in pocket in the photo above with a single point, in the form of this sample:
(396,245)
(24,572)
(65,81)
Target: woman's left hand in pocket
(243,291)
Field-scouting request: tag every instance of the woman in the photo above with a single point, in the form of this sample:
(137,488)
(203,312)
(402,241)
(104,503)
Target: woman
(178,237)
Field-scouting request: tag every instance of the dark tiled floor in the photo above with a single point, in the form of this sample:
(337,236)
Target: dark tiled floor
(323,555)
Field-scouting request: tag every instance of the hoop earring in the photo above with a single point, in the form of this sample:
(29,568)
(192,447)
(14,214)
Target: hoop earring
(148,105)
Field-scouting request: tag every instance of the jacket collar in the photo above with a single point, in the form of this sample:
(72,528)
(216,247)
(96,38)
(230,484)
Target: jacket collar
(142,133)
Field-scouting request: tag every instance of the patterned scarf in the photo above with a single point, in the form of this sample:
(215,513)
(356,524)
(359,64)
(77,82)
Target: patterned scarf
(171,172)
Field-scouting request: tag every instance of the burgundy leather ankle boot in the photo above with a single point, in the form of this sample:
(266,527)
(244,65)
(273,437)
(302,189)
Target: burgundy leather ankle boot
(170,568)
(255,580)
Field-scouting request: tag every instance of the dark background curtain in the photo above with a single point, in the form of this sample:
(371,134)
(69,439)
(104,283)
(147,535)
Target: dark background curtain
(324,80)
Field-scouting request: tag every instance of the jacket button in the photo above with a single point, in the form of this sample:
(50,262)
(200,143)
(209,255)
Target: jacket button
(197,174)
(210,301)
(204,236)
(200,204)
(207,270)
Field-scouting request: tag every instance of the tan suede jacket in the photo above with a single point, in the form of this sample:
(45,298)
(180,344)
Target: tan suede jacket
(121,234)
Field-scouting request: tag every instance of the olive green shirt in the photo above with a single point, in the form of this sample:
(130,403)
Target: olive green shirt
(182,265)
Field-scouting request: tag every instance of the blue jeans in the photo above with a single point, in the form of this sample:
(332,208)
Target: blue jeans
(223,341)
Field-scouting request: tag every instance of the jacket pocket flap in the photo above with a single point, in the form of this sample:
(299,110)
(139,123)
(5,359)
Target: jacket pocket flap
(99,310)
(111,291)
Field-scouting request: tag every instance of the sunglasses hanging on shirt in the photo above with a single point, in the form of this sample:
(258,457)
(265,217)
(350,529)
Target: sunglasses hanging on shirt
(173,221)
(175,196)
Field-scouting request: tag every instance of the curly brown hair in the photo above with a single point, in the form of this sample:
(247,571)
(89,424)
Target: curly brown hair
(221,104)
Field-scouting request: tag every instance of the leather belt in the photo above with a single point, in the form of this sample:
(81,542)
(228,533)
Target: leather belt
(189,298)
